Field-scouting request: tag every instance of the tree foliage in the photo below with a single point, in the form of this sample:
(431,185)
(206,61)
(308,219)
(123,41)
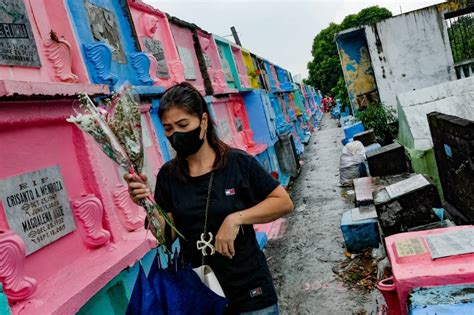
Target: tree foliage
(461,34)
(380,119)
(325,69)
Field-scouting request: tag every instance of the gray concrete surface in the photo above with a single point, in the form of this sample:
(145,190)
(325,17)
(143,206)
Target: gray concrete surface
(302,261)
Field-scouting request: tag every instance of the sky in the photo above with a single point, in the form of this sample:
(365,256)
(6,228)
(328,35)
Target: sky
(281,31)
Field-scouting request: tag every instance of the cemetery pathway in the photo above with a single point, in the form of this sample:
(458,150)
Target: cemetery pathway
(301,262)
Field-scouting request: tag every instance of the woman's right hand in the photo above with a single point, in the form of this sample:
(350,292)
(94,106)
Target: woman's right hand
(137,190)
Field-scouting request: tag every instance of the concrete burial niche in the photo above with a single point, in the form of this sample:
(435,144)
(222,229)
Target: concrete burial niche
(113,36)
(263,77)
(410,51)
(357,68)
(453,141)
(430,258)
(155,38)
(74,227)
(360,233)
(259,109)
(451,98)
(233,123)
(406,204)
(290,118)
(226,57)
(47,52)
(284,79)
(388,160)
(396,56)
(446,299)
(274,85)
(253,72)
(287,156)
(240,125)
(219,77)
(186,46)
(366,137)
(109,47)
(297,115)
(282,126)
(91,230)
(242,70)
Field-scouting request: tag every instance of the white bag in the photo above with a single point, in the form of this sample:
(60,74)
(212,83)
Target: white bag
(353,154)
(208,277)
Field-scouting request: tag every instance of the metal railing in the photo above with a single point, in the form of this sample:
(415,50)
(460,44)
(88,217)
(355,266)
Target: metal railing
(460,26)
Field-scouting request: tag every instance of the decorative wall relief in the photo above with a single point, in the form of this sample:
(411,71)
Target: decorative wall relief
(219,79)
(16,285)
(17,44)
(155,47)
(132,216)
(104,28)
(150,24)
(237,111)
(58,52)
(141,64)
(100,55)
(177,71)
(89,211)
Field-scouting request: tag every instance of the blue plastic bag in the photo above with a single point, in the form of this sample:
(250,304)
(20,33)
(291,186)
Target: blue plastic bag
(176,290)
(143,300)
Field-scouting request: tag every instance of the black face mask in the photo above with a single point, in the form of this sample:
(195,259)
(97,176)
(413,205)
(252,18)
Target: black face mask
(186,143)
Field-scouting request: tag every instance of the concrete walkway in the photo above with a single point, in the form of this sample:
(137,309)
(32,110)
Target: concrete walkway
(302,261)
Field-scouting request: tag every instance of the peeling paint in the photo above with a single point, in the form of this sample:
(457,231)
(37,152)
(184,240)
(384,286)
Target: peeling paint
(358,74)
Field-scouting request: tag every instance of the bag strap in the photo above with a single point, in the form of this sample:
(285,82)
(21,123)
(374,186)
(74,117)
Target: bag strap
(168,236)
(208,202)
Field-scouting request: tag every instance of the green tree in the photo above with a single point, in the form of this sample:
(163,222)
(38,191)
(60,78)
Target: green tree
(461,34)
(325,69)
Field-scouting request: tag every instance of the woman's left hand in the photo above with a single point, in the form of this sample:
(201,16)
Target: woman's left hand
(226,236)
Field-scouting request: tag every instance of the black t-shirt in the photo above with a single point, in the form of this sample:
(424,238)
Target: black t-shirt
(241,184)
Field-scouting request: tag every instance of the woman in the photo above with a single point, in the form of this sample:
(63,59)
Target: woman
(242,194)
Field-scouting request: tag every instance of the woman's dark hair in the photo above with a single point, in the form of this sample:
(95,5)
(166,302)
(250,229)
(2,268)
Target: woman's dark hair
(187,97)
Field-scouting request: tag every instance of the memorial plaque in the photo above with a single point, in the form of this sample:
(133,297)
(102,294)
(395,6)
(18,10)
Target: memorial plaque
(146,135)
(17,44)
(154,47)
(407,185)
(225,65)
(451,243)
(208,61)
(225,132)
(363,213)
(409,247)
(238,124)
(187,59)
(104,28)
(37,207)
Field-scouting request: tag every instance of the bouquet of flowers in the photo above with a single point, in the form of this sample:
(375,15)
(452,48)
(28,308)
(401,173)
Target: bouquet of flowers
(117,130)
